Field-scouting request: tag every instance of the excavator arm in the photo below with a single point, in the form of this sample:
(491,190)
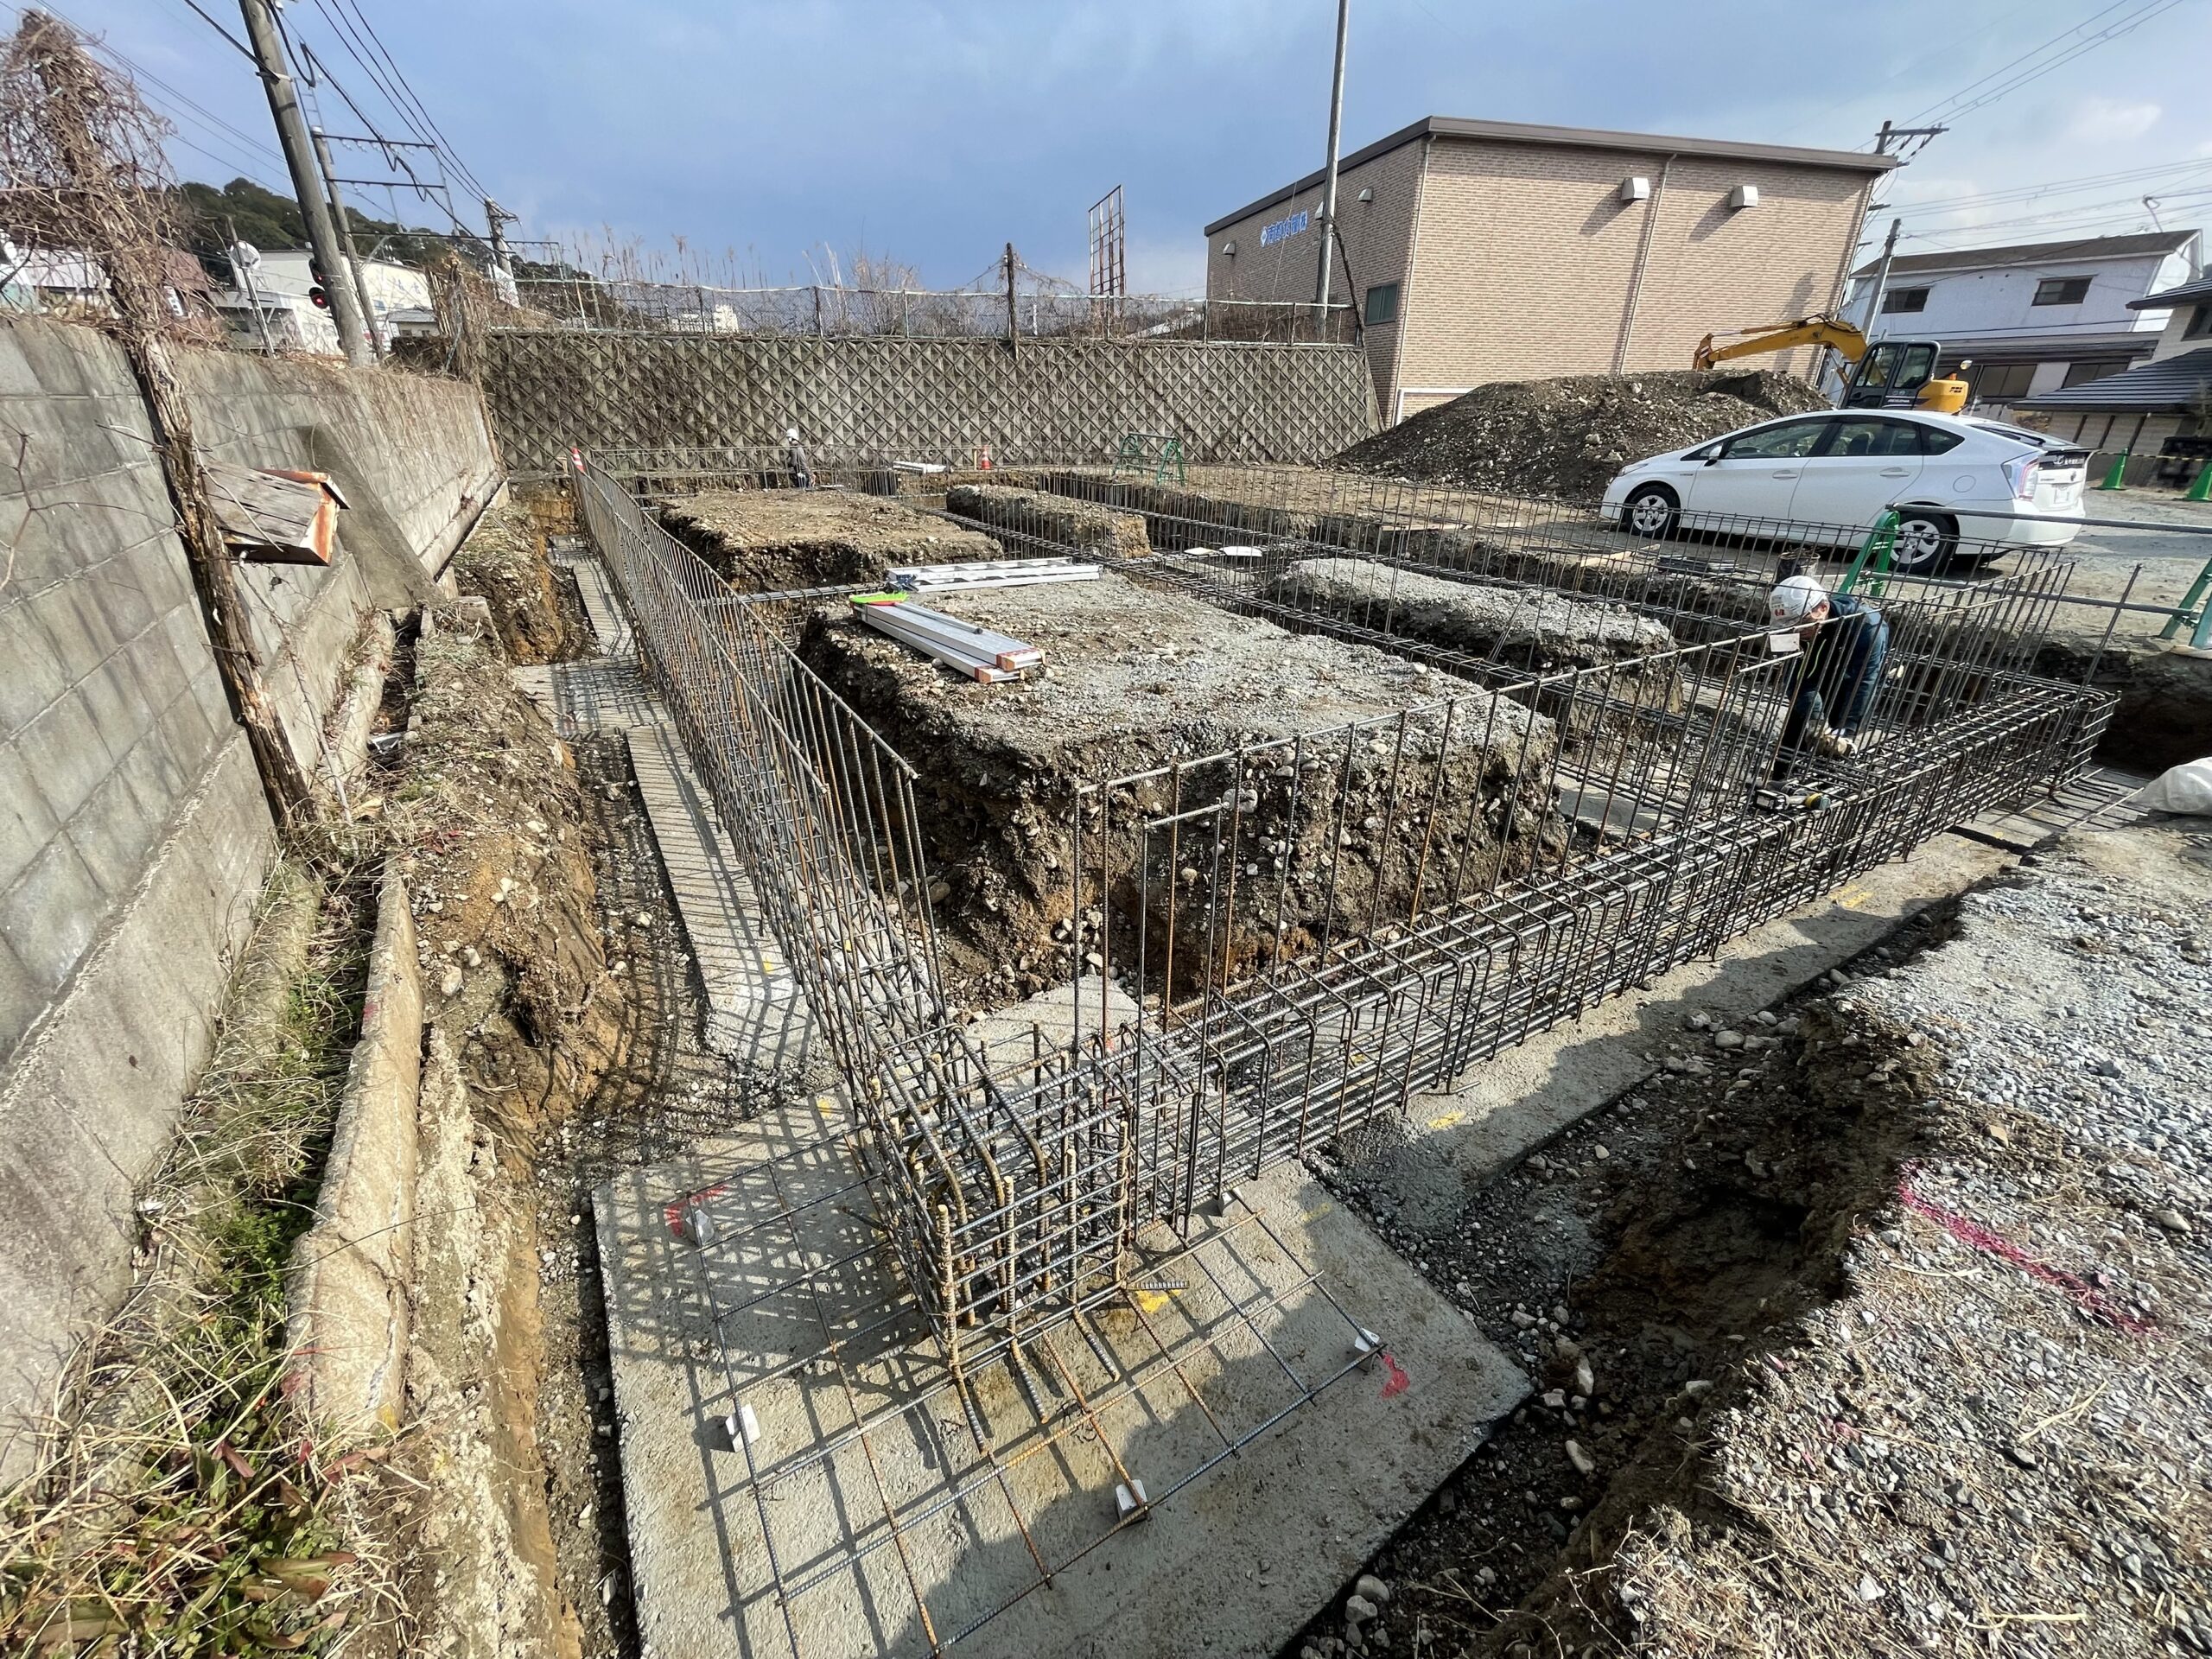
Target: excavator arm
(1817,330)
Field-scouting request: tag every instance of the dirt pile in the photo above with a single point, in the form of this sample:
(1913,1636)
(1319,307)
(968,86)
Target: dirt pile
(773,541)
(1137,679)
(1565,439)
(1028,517)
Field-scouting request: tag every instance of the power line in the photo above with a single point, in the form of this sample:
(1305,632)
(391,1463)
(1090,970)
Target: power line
(2056,186)
(1960,103)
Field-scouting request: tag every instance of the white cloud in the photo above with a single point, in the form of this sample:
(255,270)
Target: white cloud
(2111,120)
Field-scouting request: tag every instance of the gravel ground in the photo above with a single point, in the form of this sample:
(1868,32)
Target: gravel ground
(1564,439)
(1877,1326)
(1533,628)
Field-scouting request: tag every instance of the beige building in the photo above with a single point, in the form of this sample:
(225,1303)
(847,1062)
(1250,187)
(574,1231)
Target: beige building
(1482,251)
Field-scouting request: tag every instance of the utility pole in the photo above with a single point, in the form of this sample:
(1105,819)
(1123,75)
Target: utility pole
(502,262)
(1329,181)
(345,240)
(1882,277)
(299,158)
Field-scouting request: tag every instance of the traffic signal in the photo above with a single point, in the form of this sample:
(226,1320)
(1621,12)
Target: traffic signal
(318,298)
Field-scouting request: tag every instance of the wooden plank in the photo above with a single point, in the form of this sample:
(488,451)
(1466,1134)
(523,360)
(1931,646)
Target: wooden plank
(273,517)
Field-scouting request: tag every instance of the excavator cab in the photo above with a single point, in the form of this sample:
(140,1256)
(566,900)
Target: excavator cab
(1890,373)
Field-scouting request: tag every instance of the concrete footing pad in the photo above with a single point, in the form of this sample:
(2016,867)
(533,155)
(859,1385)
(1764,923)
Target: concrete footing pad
(802,1475)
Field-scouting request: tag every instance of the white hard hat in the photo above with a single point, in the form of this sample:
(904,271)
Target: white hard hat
(1794,599)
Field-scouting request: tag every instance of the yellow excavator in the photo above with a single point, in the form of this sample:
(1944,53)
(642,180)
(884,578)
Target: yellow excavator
(1889,374)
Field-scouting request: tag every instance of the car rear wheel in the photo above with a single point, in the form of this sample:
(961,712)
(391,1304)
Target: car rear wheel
(1651,512)
(1926,541)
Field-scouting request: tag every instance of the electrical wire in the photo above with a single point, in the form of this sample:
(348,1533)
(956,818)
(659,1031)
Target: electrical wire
(1960,103)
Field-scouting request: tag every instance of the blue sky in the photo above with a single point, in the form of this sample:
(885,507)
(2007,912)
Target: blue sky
(935,133)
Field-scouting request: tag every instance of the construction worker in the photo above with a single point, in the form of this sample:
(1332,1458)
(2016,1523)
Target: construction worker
(1843,643)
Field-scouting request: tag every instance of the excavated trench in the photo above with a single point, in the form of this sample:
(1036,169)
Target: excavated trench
(1643,1266)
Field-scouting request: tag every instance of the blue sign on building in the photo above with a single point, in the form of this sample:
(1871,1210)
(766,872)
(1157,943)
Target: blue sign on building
(1271,234)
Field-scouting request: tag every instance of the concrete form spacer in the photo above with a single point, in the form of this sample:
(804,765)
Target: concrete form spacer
(699,1224)
(1367,1345)
(1130,1503)
(742,1428)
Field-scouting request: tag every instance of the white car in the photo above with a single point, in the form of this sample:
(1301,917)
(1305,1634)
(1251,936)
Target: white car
(1965,489)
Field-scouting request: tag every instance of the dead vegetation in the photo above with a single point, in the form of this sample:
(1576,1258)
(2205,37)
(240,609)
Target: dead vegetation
(183,1508)
(503,562)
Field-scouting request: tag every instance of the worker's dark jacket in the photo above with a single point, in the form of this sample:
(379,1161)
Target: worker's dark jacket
(1839,672)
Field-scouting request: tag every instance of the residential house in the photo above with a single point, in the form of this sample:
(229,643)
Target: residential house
(280,281)
(2032,318)
(1483,250)
(2169,396)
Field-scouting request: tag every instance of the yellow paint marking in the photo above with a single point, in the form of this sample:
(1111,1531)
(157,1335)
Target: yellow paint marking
(1854,896)
(1446,1120)
(1152,1300)
(1317,1212)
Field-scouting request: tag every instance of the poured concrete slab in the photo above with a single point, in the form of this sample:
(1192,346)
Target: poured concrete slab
(592,697)
(756,1010)
(1239,1549)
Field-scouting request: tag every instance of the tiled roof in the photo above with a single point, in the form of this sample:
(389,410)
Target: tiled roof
(2171,383)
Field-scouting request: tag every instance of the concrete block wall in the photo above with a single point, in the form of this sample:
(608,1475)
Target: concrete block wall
(134,834)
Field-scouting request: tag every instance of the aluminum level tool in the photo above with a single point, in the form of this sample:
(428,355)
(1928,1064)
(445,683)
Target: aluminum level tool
(989,573)
(964,646)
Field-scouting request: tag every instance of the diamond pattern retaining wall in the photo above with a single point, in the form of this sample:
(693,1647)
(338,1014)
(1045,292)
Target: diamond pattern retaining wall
(920,398)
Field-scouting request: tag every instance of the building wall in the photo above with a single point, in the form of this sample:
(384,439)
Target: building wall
(1528,261)
(1377,239)
(1965,304)
(2171,337)
(133,830)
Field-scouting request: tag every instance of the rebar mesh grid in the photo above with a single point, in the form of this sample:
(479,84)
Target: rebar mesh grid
(1292,937)
(867,1462)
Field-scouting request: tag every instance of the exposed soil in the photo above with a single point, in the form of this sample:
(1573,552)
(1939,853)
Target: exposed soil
(503,562)
(1875,1326)
(1137,679)
(773,541)
(1530,628)
(525,1020)
(1058,521)
(1565,439)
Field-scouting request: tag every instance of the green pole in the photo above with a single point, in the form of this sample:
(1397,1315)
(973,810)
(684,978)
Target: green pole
(2187,610)
(2119,469)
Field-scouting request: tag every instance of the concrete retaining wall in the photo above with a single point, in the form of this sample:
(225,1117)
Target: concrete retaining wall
(1051,400)
(346,1308)
(134,836)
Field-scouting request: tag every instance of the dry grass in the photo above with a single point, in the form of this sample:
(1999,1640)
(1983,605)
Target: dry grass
(180,1509)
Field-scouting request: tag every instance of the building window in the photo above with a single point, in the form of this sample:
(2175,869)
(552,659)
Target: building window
(2080,374)
(1381,304)
(2061,290)
(2200,323)
(2001,382)
(1904,299)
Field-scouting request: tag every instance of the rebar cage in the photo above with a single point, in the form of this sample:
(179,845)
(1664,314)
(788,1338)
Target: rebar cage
(1609,772)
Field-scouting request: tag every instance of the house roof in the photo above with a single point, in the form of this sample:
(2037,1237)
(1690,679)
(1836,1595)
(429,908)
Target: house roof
(2036,253)
(1521,132)
(2171,383)
(2188,294)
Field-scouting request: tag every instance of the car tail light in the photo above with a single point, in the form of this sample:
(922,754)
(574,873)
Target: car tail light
(2021,475)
